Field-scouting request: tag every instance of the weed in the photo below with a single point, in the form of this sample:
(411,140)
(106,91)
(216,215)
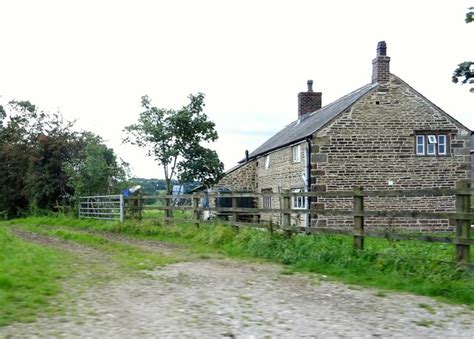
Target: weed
(287,272)
(424,322)
(245,297)
(427,307)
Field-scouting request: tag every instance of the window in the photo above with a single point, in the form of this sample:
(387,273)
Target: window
(431,144)
(420,145)
(298,202)
(267,161)
(442,144)
(267,199)
(296,152)
(431,139)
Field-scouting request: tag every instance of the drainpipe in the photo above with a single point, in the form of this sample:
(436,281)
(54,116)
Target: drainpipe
(308,179)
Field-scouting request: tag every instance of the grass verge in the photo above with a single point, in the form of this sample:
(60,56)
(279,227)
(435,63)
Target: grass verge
(31,275)
(397,265)
(127,256)
(29,278)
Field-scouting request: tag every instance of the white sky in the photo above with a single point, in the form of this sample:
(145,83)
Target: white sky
(94,59)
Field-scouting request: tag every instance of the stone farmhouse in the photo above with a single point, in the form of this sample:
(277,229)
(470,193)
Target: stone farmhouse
(383,136)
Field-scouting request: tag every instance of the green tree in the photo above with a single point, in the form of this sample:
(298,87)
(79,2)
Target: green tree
(175,137)
(96,170)
(465,70)
(19,123)
(14,162)
(3,114)
(200,164)
(55,144)
(39,152)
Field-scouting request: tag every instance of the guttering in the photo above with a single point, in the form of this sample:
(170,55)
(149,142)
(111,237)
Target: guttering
(308,178)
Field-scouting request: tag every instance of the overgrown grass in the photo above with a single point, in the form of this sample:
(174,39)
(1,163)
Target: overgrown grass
(29,278)
(398,265)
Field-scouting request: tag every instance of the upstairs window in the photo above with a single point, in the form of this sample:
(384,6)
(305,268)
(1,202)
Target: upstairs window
(296,153)
(420,145)
(431,144)
(267,161)
(442,144)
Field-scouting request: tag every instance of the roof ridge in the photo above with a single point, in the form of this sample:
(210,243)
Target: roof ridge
(301,128)
(343,97)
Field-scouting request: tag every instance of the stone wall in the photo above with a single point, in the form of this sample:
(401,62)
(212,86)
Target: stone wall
(281,175)
(372,145)
(240,179)
(472,175)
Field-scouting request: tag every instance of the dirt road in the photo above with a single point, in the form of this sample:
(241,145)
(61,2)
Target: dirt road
(227,298)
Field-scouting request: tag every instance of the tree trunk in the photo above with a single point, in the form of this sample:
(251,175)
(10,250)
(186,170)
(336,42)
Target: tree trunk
(169,192)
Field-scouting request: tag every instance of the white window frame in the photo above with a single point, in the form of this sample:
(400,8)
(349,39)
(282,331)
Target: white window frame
(267,161)
(431,144)
(432,139)
(420,137)
(442,142)
(298,202)
(296,153)
(431,149)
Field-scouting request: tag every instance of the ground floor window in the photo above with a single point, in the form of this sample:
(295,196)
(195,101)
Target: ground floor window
(298,202)
(267,198)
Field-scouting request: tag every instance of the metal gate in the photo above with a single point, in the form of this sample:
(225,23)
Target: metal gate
(109,207)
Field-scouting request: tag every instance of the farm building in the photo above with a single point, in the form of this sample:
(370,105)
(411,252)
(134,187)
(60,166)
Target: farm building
(383,136)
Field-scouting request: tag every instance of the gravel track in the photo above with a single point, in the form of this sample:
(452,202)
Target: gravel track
(228,298)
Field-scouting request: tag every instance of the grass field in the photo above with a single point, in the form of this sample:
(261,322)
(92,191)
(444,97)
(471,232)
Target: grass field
(410,266)
(30,278)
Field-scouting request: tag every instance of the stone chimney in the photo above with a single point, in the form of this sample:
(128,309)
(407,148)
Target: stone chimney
(381,64)
(309,101)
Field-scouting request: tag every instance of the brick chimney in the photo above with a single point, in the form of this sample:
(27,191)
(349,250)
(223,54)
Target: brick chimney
(309,101)
(381,64)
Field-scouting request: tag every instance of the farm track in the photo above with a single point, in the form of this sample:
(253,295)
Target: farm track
(228,298)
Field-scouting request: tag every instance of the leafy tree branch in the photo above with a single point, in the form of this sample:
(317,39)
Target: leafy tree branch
(464,73)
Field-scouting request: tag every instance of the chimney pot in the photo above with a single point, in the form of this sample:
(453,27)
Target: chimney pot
(381,48)
(381,64)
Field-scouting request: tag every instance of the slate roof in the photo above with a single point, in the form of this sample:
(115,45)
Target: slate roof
(303,128)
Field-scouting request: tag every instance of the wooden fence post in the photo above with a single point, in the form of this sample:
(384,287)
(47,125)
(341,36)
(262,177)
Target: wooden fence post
(286,215)
(195,210)
(122,208)
(463,226)
(235,215)
(139,206)
(168,210)
(358,240)
(270,226)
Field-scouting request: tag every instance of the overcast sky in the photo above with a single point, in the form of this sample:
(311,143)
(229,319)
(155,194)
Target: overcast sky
(94,59)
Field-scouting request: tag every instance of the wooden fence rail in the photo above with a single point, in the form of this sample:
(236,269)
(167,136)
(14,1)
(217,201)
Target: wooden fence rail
(462,215)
